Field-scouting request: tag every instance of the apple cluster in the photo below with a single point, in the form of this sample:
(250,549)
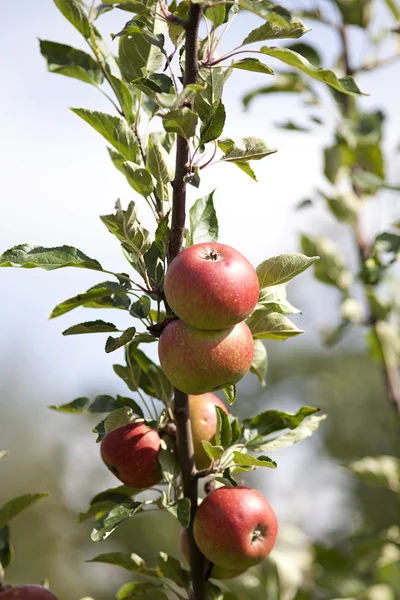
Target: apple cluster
(212,289)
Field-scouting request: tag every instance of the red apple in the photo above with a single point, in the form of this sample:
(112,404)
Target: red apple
(131,453)
(27,592)
(211,286)
(235,528)
(217,572)
(197,361)
(203,420)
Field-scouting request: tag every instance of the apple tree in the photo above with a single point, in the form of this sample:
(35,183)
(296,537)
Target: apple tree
(208,309)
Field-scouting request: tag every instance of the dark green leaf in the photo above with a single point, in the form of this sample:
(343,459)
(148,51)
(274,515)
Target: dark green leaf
(203,220)
(182,121)
(309,52)
(113,343)
(254,65)
(125,98)
(247,460)
(6,550)
(90,327)
(282,268)
(114,129)
(138,178)
(387,242)
(265,9)
(213,122)
(271,31)
(109,499)
(271,421)
(346,84)
(108,294)
(247,148)
(259,366)
(71,62)
(264,324)
(288,439)
(112,520)
(78,406)
(31,257)
(214,79)
(14,507)
(141,590)
(140,51)
(118,418)
(131,562)
(183,506)
(172,569)
(223,433)
(141,308)
(355,12)
(75,12)
(125,226)
(230,393)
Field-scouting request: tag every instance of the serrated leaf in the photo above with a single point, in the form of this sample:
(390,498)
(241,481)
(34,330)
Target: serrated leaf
(114,129)
(98,326)
(274,299)
(282,268)
(246,149)
(138,178)
(213,123)
(141,51)
(271,31)
(118,418)
(108,294)
(32,257)
(131,562)
(381,471)
(259,366)
(346,84)
(230,393)
(159,163)
(265,9)
(65,60)
(125,226)
(112,520)
(264,324)
(203,221)
(271,421)
(182,121)
(223,433)
(78,406)
(141,308)
(113,343)
(213,452)
(109,499)
(247,460)
(75,12)
(183,512)
(288,439)
(124,96)
(254,65)
(14,507)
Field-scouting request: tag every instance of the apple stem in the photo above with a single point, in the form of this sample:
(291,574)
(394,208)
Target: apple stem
(181,403)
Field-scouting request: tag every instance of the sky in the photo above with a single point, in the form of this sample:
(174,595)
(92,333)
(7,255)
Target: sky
(57,179)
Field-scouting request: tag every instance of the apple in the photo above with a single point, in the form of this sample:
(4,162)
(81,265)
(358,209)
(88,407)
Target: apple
(211,286)
(235,528)
(27,592)
(197,361)
(217,572)
(203,420)
(131,453)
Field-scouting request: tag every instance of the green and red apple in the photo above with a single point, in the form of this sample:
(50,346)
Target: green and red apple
(211,286)
(27,592)
(203,420)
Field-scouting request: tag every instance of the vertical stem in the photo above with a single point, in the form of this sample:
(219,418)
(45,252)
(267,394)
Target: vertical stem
(181,403)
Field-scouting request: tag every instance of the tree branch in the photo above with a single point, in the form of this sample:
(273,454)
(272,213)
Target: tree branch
(181,403)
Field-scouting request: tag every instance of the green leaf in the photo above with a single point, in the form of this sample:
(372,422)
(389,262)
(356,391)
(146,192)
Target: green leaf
(107,500)
(283,83)
(254,65)
(172,569)
(387,242)
(213,122)
(267,10)
(90,327)
(159,164)
(103,295)
(213,452)
(113,343)
(125,225)
(6,550)
(182,121)
(14,507)
(131,562)
(3,453)
(230,393)
(139,27)
(223,433)
(31,257)
(141,590)
(271,31)
(394,8)
(331,267)
(71,62)
(118,418)
(271,421)
(381,471)
(355,12)
(371,183)
(282,268)
(246,168)
(183,512)
(140,52)
(247,460)
(112,520)
(309,52)
(274,300)
(259,366)
(125,98)
(345,207)
(216,14)
(115,130)
(264,324)
(203,221)
(214,79)
(346,84)
(141,308)
(78,406)
(74,11)
(288,439)
(138,178)
(247,148)
(167,459)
